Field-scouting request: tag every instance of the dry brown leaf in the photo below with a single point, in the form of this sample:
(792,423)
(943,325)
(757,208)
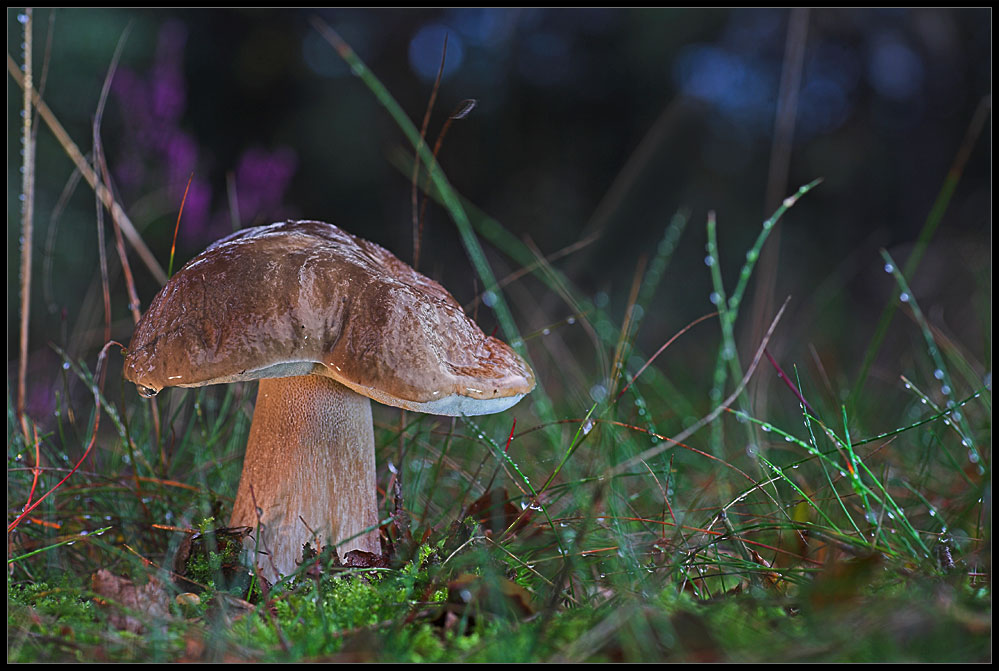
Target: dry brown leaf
(129,606)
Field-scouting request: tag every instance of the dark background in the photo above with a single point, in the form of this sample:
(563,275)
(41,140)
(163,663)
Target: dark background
(676,108)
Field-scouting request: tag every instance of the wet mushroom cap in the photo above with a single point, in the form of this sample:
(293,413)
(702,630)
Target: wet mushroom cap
(304,297)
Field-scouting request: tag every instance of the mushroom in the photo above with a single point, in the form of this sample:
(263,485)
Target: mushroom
(325,321)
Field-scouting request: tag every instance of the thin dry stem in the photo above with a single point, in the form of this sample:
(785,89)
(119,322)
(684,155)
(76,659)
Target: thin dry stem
(97,389)
(48,255)
(636,164)
(461,112)
(566,296)
(780,161)
(617,365)
(100,162)
(711,416)
(27,223)
(417,218)
(101,250)
(89,174)
(530,268)
(663,349)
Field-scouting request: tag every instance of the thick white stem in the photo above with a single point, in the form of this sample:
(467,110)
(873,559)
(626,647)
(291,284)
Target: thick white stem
(310,468)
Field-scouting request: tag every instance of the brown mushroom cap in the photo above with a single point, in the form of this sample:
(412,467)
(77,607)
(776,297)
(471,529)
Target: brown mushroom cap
(304,297)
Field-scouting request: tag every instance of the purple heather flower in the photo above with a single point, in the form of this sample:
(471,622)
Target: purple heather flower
(261,181)
(158,153)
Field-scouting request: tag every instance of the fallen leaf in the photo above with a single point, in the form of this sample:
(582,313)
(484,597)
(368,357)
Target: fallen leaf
(478,593)
(362,559)
(841,582)
(129,606)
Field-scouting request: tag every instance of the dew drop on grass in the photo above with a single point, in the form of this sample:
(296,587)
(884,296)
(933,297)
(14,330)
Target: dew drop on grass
(904,297)
(546,331)
(945,390)
(889,268)
(587,427)
(570,321)
(938,374)
(598,393)
(714,297)
(766,427)
(709,260)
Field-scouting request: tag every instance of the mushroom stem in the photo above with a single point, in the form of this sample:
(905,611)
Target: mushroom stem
(310,469)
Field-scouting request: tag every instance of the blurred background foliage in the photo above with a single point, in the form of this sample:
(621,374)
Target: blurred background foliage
(588,121)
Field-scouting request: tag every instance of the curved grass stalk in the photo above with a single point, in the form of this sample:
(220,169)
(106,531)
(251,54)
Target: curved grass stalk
(940,370)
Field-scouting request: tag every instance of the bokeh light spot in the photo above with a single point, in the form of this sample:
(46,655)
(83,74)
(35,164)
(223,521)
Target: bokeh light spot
(895,70)
(426,47)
